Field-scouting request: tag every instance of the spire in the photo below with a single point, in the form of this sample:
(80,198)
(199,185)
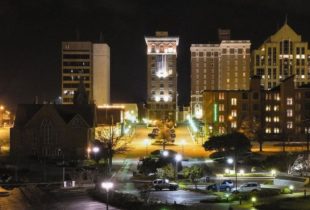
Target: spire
(285,23)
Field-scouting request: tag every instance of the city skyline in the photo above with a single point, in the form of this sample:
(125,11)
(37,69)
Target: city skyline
(34,33)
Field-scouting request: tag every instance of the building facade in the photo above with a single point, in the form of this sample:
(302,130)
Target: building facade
(56,131)
(282,112)
(89,62)
(224,66)
(282,55)
(162,76)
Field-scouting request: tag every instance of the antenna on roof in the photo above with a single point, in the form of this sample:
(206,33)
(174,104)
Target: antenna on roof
(285,19)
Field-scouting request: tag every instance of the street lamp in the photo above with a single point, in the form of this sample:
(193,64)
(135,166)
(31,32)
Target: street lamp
(253,199)
(182,145)
(232,161)
(107,186)
(95,151)
(165,153)
(177,158)
(146,144)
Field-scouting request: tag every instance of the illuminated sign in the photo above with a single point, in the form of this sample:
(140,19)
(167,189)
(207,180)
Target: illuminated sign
(215,112)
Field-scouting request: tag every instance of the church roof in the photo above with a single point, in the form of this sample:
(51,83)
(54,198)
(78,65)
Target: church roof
(25,112)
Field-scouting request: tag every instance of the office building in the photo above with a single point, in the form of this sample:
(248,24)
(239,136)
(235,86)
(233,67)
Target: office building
(89,62)
(224,66)
(162,76)
(282,55)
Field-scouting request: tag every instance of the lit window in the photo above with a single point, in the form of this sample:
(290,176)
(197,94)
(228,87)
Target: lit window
(234,113)
(234,124)
(268,108)
(221,107)
(268,130)
(276,108)
(221,96)
(289,112)
(268,119)
(277,97)
(221,130)
(289,125)
(276,119)
(233,101)
(289,101)
(221,118)
(276,130)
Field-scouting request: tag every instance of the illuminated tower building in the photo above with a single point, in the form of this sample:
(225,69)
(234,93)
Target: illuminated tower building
(90,62)
(282,55)
(162,76)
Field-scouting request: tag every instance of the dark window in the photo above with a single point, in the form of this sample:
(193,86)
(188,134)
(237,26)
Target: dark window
(255,95)
(200,54)
(73,63)
(76,56)
(307,94)
(244,107)
(232,51)
(255,107)
(244,95)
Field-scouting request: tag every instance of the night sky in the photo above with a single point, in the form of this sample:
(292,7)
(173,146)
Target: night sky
(32,30)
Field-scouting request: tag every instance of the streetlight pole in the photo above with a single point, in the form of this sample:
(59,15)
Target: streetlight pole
(63,165)
(107,186)
(234,161)
(177,158)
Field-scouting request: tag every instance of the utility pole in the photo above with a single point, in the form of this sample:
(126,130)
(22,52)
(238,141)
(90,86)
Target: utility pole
(111,145)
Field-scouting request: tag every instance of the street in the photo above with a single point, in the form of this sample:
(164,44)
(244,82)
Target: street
(179,196)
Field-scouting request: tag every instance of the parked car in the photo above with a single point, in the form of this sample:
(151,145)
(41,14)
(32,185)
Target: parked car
(212,187)
(159,184)
(226,185)
(248,187)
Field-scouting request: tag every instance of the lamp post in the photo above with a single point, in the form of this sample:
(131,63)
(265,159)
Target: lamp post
(107,186)
(182,145)
(63,165)
(95,151)
(234,161)
(177,158)
(146,144)
(307,131)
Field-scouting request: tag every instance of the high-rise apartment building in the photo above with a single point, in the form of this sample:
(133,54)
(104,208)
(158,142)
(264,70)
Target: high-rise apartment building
(88,62)
(224,66)
(162,76)
(283,54)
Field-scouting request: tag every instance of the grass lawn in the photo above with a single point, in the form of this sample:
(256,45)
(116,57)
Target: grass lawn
(288,204)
